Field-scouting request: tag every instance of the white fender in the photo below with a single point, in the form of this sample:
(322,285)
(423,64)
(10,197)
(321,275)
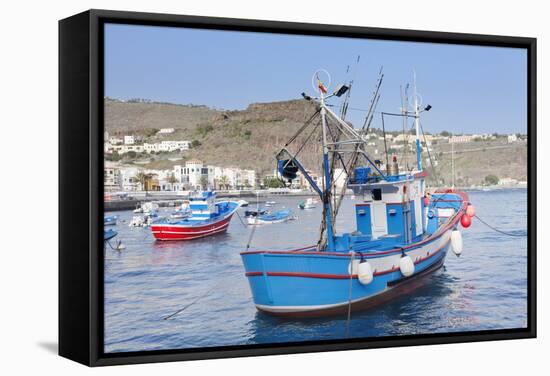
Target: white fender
(406,265)
(456,242)
(364,272)
(353,269)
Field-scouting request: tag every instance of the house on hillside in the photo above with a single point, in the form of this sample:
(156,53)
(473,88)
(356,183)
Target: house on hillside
(460,139)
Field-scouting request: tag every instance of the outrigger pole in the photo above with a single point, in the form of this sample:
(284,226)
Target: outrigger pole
(327,207)
(417,126)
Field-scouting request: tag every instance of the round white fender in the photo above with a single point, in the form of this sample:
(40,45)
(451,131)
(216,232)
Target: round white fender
(456,242)
(364,272)
(406,265)
(353,267)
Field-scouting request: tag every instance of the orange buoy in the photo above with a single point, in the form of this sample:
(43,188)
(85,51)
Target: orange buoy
(471,210)
(465,221)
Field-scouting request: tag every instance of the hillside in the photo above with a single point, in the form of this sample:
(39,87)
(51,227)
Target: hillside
(247,139)
(251,137)
(138,117)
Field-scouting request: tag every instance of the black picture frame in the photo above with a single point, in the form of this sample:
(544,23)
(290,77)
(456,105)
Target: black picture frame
(81,170)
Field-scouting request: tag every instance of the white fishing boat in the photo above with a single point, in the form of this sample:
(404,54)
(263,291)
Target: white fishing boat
(243,203)
(307,204)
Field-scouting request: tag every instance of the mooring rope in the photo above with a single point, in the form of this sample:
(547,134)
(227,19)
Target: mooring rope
(497,230)
(117,247)
(190,304)
(212,288)
(240,219)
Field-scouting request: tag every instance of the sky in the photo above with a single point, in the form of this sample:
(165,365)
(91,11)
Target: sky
(472,89)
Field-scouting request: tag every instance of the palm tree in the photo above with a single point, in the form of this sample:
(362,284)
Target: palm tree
(142,178)
(172,179)
(224,182)
(204,183)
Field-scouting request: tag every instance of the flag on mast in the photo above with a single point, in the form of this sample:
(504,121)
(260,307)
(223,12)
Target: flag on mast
(321,86)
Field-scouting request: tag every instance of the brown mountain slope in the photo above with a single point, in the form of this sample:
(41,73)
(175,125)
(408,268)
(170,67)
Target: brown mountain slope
(247,139)
(251,137)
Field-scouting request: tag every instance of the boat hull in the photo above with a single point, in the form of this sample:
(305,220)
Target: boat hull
(402,288)
(189,229)
(182,232)
(308,283)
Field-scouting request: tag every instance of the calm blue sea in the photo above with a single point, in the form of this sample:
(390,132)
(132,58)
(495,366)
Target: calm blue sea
(486,288)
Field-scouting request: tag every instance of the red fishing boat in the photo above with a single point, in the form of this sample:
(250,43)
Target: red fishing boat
(208,217)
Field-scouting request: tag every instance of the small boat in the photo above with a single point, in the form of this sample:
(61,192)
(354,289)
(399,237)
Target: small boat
(270,202)
(143,220)
(109,220)
(269,218)
(307,204)
(402,231)
(254,213)
(109,234)
(243,203)
(147,208)
(208,217)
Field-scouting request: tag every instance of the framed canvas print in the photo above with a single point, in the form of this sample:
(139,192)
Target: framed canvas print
(239,187)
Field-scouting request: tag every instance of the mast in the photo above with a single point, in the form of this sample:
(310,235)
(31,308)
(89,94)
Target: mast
(417,126)
(326,171)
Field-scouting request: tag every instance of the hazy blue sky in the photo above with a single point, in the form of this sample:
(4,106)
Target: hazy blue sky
(472,89)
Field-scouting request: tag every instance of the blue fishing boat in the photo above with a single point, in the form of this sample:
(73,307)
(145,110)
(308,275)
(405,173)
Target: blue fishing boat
(208,217)
(110,220)
(109,234)
(269,218)
(403,232)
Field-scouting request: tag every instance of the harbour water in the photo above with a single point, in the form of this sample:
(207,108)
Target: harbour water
(485,288)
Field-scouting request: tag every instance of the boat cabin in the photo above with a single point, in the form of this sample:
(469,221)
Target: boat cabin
(203,206)
(392,208)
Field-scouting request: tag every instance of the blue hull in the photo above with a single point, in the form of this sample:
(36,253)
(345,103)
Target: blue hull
(309,283)
(313,284)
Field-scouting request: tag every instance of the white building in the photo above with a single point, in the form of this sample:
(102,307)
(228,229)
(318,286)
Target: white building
(115,141)
(150,148)
(129,140)
(128,180)
(166,131)
(507,181)
(127,148)
(512,138)
(174,145)
(194,175)
(111,177)
(460,139)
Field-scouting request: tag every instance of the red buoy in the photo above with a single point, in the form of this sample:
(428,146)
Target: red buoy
(471,210)
(426,201)
(465,221)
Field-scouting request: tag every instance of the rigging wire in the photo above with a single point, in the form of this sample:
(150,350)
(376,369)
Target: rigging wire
(432,166)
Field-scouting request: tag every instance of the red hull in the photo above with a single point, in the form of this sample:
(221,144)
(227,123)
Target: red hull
(182,232)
